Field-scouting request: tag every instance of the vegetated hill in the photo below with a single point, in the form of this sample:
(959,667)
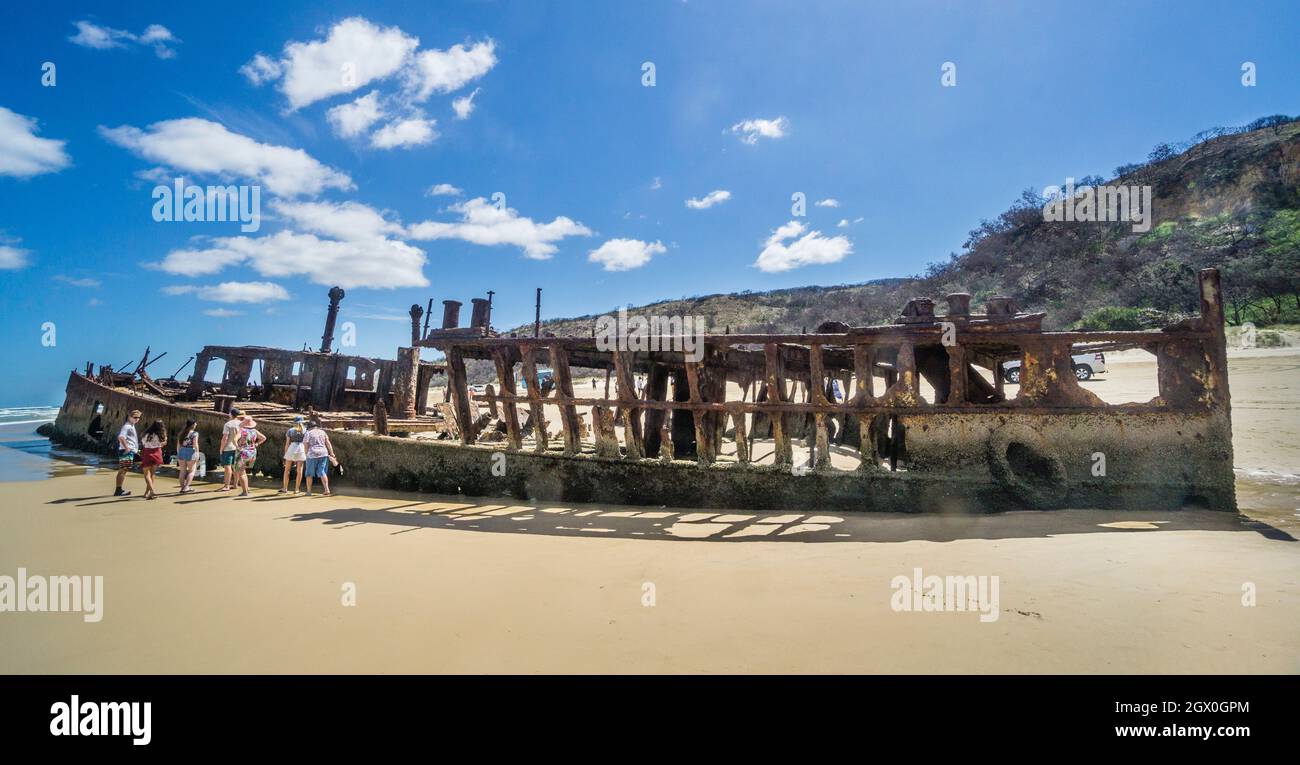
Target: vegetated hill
(1227,197)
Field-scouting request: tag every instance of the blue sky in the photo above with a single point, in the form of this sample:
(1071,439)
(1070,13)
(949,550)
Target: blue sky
(840,101)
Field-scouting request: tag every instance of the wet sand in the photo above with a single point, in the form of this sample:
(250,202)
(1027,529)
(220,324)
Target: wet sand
(210,583)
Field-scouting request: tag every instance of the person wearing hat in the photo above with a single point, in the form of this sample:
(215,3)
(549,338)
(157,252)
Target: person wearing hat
(246,445)
(229,436)
(295,453)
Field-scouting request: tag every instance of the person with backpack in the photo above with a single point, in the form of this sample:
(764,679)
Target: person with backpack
(295,454)
(246,443)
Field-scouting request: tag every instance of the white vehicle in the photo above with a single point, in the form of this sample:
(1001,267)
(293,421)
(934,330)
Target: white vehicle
(1085,366)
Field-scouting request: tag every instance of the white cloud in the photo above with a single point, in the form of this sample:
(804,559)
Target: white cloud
(361,262)
(104,38)
(844,222)
(355,53)
(811,248)
(464,106)
(85,282)
(656,184)
(351,221)
(261,69)
(443,190)
(751,130)
(12,258)
(405,133)
(446,71)
(222,313)
(828,203)
(483,223)
(22,153)
(625,254)
(207,148)
(355,118)
(232,292)
(715,197)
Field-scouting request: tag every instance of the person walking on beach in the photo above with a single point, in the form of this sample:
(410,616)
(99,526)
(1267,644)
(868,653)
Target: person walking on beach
(246,444)
(320,455)
(151,448)
(127,446)
(187,454)
(295,454)
(229,435)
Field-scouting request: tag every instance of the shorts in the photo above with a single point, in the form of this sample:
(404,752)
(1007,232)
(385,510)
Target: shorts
(228,458)
(151,458)
(295,453)
(186,454)
(125,459)
(318,467)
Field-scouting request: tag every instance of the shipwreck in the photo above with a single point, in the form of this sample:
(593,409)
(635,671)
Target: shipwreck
(835,419)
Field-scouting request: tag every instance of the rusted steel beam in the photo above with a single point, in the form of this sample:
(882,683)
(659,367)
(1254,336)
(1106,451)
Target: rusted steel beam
(776,394)
(742,442)
(956,375)
(656,389)
(703,453)
(535,407)
(602,427)
(817,390)
(627,397)
(506,375)
(559,358)
(459,389)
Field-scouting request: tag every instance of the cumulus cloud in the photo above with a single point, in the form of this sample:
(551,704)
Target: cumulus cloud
(405,133)
(830,202)
(98,37)
(12,258)
(199,146)
(354,54)
(374,262)
(446,71)
(625,254)
(715,197)
(485,224)
(443,190)
(232,292)
(354,118)
(351,221)
(464,106)
(803,248)
(22,152)
(750,131)
(656,184)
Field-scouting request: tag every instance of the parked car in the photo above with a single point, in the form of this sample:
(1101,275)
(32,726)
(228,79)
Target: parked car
(1085,366)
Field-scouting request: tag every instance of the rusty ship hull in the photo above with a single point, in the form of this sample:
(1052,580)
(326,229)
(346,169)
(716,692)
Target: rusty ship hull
(972,449)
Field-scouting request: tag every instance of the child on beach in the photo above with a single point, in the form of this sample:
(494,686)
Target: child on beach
(127,446)
(151,447)
(295,454)
(187,454)
(229,435)
(246,444)
(320,455)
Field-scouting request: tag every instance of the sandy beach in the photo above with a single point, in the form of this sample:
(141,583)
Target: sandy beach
(211,583)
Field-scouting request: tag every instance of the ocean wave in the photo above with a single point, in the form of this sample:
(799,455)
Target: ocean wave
(1266,476)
